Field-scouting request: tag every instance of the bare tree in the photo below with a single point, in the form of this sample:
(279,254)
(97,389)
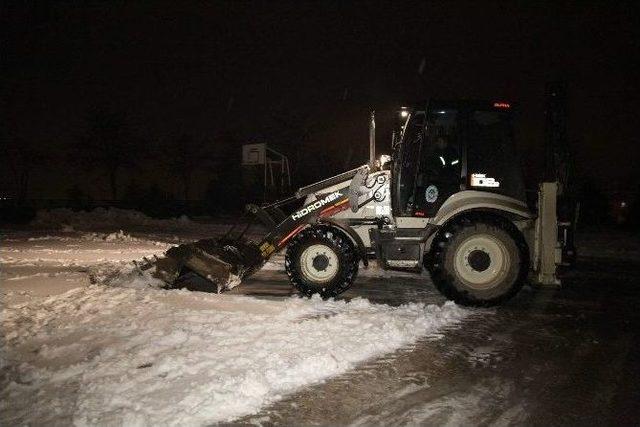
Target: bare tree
(186,156)
(22,158)
(109,145)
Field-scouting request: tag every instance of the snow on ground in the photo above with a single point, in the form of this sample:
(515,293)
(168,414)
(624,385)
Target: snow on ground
(101,355)
(44,263)
(73,352)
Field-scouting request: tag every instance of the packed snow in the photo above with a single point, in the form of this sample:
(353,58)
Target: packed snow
(126,352)
(101,355)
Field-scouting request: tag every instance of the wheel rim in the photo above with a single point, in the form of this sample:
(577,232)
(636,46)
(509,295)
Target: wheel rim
(482,262)
(319,263)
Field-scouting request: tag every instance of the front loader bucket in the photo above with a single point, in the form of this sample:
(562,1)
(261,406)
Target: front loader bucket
(224,263)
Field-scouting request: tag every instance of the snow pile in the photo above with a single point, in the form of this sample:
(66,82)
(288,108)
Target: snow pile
(126,275)
(67,219)
(116,356)
(118,236)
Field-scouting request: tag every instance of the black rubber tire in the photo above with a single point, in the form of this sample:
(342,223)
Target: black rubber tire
(344,249)
(441,262)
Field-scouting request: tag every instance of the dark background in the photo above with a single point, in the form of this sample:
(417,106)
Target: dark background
(114,101)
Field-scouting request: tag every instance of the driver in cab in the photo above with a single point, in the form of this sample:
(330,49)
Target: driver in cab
(443,158)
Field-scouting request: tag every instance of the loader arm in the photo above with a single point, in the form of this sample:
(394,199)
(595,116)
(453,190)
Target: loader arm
(324,206)
(227,260)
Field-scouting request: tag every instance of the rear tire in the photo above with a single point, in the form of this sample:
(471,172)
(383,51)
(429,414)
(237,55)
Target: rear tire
(321,260)
(479,262)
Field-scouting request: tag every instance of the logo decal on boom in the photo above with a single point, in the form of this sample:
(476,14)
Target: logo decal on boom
(314,206)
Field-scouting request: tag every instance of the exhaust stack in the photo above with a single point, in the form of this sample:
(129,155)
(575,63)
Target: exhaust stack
(372,140)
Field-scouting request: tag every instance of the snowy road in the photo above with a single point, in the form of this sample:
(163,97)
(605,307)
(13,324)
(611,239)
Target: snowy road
(567,356)
(391,352)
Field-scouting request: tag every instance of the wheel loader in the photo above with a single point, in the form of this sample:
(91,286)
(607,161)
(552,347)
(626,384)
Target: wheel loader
(450,199)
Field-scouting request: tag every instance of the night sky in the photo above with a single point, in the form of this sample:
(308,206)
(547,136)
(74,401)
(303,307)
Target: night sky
(209,68)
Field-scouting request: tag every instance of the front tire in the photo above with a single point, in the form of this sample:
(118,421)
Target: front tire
(321,260)
(479,262)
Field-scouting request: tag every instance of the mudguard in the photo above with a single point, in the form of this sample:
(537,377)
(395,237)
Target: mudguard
(351,233)
(480,200)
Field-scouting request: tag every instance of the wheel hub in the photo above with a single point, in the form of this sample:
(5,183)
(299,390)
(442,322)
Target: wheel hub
(482,261)
(479,260)
(320,262)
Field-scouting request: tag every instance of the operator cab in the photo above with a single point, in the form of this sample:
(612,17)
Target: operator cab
(447,147)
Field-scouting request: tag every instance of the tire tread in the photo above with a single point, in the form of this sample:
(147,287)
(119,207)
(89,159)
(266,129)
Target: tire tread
(445,280)
(340,243)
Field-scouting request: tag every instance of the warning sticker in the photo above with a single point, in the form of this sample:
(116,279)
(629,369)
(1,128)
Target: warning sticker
(482,180)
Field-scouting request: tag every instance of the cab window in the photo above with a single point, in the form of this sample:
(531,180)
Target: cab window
(490,152)
(440,162)
(413,136)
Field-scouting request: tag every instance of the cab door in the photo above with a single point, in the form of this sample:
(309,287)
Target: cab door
(406,166)
(441,161)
